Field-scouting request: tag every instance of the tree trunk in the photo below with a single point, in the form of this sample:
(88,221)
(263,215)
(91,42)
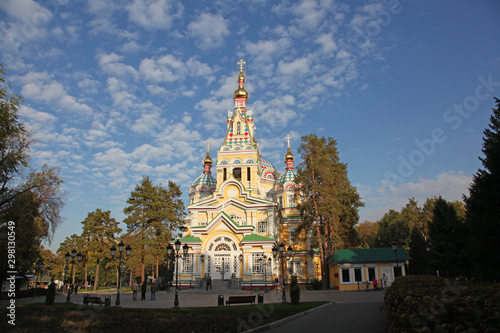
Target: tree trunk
(86,276)
(318,232)
(96,278)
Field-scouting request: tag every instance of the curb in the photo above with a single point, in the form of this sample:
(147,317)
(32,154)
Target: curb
(286,320)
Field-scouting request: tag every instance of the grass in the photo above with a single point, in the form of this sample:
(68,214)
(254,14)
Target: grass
(78,318)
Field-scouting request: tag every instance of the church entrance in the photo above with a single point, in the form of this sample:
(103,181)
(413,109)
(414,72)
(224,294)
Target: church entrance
(222,263)
(222,259)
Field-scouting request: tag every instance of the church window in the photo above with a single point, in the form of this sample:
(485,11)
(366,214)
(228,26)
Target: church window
(280,201)
(238,128)
(291,202)
(292,236)
(237,173)
(257,266)
(222,247)
(262,227)
(248,174)
(225,174)
(188,264)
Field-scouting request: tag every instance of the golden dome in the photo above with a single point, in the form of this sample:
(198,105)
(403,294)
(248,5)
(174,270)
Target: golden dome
(289,155)
(240,92)
(207,159)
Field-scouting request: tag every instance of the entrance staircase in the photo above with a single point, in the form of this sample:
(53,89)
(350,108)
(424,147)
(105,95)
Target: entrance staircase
(232,286)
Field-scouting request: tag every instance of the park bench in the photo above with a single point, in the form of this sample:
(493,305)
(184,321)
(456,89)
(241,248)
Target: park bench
(241,299)
(92,299)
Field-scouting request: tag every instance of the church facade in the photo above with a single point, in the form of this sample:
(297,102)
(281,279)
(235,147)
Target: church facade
(237,215)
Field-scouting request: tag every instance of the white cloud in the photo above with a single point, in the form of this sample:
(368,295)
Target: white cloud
(41,87)
(297,67)
(154,14)
(36,116)
(209,30)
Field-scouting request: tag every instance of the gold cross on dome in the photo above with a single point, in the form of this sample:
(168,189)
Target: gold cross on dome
(288,137)
(208,145)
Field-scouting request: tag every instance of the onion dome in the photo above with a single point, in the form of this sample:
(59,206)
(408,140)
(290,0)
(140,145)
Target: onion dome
(267,169)
(206,182)
(240,92)
(287,179)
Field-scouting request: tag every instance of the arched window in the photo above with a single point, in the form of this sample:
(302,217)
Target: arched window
(238,128)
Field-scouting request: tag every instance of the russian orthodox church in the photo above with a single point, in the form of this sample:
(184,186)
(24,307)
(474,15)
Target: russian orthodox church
(238,215)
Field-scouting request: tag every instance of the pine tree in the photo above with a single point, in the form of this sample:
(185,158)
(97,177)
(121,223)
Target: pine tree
(98,236)
(153,213)
(418,252)
(329,203)
(483,206)
(447,236)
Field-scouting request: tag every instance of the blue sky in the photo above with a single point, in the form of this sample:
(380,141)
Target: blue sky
(117,90)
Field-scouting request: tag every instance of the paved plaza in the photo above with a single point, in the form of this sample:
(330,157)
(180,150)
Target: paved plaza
(349,311)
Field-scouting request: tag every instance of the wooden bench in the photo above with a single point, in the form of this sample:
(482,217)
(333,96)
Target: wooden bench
(92,299)
(241,299)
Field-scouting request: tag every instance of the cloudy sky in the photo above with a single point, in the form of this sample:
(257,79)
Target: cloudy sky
(117,90)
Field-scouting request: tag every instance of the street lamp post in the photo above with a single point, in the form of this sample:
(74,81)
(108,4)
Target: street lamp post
(128,249)
(67,257)
(280,252)
(39,267)
(170,253)
(395,245)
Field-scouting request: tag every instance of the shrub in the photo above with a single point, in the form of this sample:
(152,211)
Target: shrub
(294,290)
(435,304)
(51,294)
(316,284)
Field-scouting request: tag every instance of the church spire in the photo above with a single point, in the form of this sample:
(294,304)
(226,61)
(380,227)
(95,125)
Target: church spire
(207,161)
(289,156)
(241,93)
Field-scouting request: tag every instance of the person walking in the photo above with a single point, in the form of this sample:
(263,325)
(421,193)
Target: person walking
(375,283)
(135,288)
(209,282)
(384,281)
(277,284)
(154,288)
(144,288)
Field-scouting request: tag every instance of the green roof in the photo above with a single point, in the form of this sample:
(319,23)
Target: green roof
(255,237)
(190,239)
(369,255)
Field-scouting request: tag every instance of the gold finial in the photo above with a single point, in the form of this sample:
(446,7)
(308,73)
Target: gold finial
(241,92)
(288,156)
(207,159)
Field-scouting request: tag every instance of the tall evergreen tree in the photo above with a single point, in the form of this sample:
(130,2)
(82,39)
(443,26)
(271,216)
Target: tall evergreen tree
(98,236)
(418,253)
(447,236)
(328,202)
(483,206)
(153,213)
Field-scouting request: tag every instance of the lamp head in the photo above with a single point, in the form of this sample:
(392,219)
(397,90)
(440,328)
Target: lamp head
(113,251)
(177,245)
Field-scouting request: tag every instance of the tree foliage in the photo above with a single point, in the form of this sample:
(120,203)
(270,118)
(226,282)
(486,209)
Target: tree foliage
(418,252)
(483,205)
(31,198)
(98,236)
(328,202)
(367,232)
(152,215)
(447,236)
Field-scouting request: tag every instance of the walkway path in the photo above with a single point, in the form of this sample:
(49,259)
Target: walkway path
(350,311)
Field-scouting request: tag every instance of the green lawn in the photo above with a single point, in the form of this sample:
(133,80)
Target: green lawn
(77,318)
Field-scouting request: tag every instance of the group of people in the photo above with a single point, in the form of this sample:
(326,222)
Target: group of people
(144,288)
(375,282)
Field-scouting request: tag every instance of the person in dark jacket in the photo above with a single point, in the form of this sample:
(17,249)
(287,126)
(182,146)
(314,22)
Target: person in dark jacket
(144,288)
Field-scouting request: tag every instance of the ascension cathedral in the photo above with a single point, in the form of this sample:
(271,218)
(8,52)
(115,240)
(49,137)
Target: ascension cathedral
(237,215)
